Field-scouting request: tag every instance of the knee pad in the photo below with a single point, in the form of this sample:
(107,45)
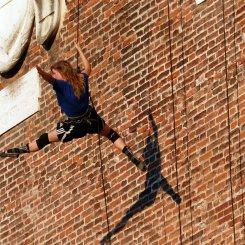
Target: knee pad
(113,135)
(42,141)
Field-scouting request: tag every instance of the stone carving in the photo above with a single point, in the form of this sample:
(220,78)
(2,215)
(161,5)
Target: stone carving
(15,30)
(16,22)
(48,15)
(19,100)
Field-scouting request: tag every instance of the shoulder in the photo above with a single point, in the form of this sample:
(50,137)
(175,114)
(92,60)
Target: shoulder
(60,84)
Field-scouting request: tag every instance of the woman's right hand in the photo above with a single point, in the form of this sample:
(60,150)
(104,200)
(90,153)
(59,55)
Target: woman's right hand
(46,76)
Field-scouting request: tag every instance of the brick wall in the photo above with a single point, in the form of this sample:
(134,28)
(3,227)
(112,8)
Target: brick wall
(169,76)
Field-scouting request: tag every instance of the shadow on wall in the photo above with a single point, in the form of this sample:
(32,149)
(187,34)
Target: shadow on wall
(154,182)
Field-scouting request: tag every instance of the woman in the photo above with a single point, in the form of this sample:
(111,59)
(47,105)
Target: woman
(72,91)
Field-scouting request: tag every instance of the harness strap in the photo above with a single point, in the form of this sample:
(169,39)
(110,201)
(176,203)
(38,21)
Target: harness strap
(83,116)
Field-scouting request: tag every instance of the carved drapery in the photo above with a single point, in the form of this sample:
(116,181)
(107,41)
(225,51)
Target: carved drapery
(16,18)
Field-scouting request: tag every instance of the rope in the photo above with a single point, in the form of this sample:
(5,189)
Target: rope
(187,120)
(78,28)
(174,119)
(238,109)
(103,179)
(228,120)
(99,137)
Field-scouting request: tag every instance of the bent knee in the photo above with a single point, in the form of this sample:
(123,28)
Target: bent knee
(42,141)
(46,139)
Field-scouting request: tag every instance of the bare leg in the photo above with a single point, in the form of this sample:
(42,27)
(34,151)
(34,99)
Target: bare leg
(120,144)
(43,140)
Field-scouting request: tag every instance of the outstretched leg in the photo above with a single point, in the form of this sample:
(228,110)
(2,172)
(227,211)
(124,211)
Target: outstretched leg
(119,143)
(36,145)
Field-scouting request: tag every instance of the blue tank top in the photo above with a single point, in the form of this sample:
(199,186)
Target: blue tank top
(71,105)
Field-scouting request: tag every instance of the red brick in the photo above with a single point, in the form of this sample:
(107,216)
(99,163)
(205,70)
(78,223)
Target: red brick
(57,193)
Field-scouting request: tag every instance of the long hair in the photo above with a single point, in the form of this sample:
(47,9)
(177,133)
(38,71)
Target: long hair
(71,76)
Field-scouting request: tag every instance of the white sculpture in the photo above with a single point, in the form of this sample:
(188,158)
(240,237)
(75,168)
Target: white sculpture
(48,15)
(19,100)
(16,21)
(15,30)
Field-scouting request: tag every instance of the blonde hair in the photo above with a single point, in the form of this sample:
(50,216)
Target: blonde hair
(67,72)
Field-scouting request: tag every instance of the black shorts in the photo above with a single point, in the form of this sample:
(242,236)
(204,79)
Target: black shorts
(74,128)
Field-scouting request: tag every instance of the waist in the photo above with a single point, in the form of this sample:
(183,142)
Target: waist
(80,117)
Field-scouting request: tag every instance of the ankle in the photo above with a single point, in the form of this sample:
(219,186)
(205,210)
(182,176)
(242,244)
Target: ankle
(136,161)
(24,149)
(19,150)
(127,151)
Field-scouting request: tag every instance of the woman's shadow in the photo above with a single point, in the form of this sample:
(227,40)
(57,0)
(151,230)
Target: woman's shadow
(154,182)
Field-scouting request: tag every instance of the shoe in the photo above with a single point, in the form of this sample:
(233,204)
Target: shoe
(142,166)
(14,152)
(139,164)
(10,153)
(177,198)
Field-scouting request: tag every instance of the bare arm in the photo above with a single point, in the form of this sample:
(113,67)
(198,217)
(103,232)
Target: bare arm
(46,76)
(86,64)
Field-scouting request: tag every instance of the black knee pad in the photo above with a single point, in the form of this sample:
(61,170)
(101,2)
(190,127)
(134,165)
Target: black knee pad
(42,141)
(113,136)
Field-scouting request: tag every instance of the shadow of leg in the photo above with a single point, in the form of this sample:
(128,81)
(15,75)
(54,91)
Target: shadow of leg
(146,198)
(169,190)
(154,182)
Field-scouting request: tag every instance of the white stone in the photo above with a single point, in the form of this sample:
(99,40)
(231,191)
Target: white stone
(19,100)
(16,19)
(16,26)
(48,18)
(199,1)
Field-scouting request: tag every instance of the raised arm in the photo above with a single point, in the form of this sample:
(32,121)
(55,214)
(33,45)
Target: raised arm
(86,64)
(46,76)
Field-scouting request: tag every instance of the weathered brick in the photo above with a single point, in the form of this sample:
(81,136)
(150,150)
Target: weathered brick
(167,57)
